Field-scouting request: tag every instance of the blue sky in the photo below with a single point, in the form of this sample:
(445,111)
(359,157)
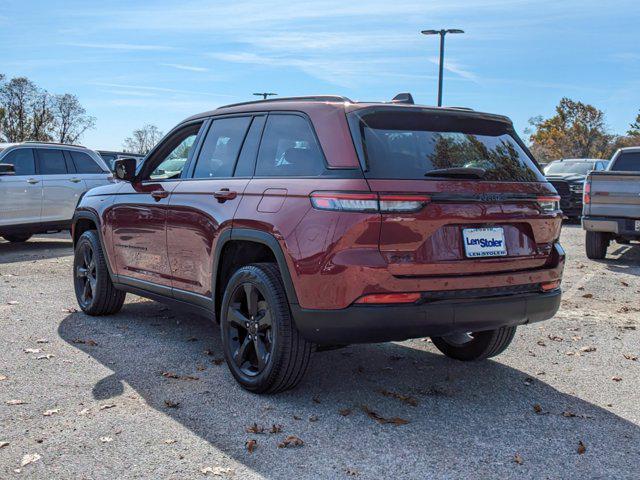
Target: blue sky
(136,62)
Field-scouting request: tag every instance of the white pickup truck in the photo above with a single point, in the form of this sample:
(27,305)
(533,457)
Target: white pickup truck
(612,203)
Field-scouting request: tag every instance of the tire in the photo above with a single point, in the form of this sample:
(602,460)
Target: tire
(596,244)
(262,346)
(17,238)
(95,292)
(476,345)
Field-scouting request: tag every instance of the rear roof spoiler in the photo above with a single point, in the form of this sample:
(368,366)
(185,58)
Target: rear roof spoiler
(403,98)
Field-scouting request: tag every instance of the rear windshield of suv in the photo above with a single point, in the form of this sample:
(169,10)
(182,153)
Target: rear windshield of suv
(408,144)
(627,162)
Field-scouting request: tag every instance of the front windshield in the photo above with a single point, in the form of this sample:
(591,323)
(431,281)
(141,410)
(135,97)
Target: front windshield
(580,168)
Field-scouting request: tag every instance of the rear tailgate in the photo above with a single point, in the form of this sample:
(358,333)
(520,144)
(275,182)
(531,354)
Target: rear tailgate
(483,205)
(613,194)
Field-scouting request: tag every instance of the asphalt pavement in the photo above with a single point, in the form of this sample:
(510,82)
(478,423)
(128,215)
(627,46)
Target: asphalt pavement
(145,393)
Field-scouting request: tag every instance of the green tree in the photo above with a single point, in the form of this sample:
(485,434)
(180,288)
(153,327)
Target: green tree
(577,130)
(634,127)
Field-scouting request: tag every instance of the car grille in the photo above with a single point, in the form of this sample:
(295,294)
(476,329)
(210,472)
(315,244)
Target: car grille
(561,187)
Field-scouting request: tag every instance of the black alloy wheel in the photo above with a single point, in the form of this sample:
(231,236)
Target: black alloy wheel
(250,332)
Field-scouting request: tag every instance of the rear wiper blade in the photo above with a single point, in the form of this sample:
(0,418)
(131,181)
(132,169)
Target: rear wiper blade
(462,172)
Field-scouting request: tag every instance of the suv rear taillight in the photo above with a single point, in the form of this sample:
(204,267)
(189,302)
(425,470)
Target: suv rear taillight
(549,204)
(368,202)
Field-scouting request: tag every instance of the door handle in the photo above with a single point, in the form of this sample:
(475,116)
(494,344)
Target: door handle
(225,194)
(159,195)
(75,180)
(32,181)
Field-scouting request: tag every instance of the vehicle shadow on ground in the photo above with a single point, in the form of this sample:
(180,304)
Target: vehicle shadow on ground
(37,248)
(627,259)
(471,418)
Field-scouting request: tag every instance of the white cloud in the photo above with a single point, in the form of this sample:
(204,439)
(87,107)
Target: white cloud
(121,46)
(453,67)
(188,68)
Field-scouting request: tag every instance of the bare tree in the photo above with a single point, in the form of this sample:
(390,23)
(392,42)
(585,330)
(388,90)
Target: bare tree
(70,118)
(41,117)
(142,140)
(17,97)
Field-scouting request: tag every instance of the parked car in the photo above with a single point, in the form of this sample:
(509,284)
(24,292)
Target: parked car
(321,221)
(41,184)
(612,203)
(567,176)
(110,157)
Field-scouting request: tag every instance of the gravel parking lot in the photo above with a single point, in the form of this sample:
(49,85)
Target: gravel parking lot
(143,394)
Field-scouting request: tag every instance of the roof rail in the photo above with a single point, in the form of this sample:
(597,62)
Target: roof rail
(311,98)
(55,143)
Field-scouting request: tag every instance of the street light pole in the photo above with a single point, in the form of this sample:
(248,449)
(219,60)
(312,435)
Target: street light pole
(442,34)
(264,95)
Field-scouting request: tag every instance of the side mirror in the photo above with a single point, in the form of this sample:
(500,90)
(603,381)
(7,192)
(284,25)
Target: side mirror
(125,169)
(7,169)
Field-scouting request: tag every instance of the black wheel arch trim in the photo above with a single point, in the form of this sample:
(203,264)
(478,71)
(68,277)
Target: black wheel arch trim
(258,236)
(90,215)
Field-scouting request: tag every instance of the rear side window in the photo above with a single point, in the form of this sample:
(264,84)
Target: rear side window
(84,163)
(627,162)
(51,162)
(22,160)
(408,144)
(289,148)
(221,146)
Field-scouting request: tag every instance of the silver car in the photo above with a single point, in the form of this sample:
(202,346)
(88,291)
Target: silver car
(41,184)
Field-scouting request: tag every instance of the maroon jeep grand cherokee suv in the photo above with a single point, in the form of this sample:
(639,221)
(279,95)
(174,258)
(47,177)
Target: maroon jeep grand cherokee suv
(317,221)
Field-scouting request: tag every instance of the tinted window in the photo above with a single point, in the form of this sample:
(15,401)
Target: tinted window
(221,147)
(22,160)
(51,162)
(407,144)
(84,163)
(289,148)
(627,162)
(173,163)
(247,159)
(580,168)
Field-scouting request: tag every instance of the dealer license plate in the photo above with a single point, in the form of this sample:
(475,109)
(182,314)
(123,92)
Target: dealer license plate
(484,242)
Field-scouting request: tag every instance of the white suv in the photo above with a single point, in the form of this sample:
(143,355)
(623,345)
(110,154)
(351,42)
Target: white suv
(41,184)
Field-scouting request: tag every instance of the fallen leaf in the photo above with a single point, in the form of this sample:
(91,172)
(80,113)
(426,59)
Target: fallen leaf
(83,412)
(276,428)
(201,368)
(588,349)
(42,340)
(251,445)
(208,352)
(344,411)
(537,408)
(255,428)
(581,447)
(316,400)
(541,343)
(4,444)
(108,405)
(16,402)
(170,441)
(32,350)
(106,439)
(217,361)
(623,283)
(291,441)
(171,404)
(45,357)
(616,379)
(528,381)
(179,377)
(380,419)
(555,338)
(70,310)
(49,413)
(3,377)
(313,418)
(403,398)
(568,414)
(517,458)
(296,417)
(352,472)
(625,355)
(30,458)
(12,302)
(91,343)
(587,295)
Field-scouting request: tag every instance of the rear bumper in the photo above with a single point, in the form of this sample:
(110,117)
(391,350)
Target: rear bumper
(619,226)
(366,324)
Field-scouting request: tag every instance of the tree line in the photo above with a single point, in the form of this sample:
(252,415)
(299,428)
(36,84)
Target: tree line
(577,130)
(28,112)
